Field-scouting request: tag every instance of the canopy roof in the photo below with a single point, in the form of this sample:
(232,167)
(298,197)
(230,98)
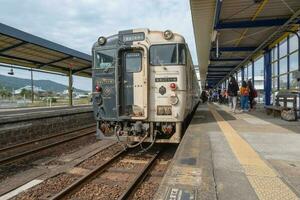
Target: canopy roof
(24,49)
(229,33)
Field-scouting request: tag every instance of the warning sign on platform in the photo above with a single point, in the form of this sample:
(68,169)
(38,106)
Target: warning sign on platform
(180,194)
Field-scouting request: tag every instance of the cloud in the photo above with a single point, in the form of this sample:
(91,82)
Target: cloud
(78,23)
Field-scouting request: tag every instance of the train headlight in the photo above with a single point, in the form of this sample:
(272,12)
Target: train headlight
(98,88)
(173,99)
(168,34)
(101,40)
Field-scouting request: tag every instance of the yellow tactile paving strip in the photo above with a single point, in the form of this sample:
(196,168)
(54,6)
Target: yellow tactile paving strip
(264,180)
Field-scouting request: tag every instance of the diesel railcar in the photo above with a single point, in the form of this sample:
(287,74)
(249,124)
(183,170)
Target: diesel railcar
(144,86)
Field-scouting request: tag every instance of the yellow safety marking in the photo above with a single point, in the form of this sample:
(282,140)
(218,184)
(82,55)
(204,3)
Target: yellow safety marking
(258,10)
(263,179)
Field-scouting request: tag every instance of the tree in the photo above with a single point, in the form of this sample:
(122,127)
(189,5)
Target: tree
(5,93)
(26,93)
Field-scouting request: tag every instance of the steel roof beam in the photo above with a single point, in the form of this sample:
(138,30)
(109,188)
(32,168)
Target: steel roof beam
(79,70)
(226,59)
(13,46)
(221,66)
(55,61)
(218,12)
(251,24)
(235,49)
(31,61)
(218,75)
(215,72)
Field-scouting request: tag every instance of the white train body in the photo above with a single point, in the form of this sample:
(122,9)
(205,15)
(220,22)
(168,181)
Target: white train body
(144,86)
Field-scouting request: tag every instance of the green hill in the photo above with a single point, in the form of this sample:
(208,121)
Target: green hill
(16,83)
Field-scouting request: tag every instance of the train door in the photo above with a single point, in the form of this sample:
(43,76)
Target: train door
(133,84)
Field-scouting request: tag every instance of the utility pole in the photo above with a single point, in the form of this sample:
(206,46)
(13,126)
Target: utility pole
(32,91)
(70,88)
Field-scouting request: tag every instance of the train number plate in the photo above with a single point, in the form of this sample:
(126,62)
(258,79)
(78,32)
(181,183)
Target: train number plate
(168,79)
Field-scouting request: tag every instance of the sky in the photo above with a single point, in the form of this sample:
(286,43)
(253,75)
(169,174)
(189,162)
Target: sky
(78,23)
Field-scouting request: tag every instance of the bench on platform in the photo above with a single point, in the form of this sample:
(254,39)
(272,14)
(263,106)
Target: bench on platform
(284,98)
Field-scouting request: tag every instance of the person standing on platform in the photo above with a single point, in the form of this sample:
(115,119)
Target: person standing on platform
(232,92)
(244,97)
(251,94)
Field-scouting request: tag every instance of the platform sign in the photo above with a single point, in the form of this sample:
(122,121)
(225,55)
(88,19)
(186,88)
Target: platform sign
(180,194)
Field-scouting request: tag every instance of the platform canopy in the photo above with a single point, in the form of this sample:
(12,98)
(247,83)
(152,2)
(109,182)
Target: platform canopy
(24,49)
(229,33)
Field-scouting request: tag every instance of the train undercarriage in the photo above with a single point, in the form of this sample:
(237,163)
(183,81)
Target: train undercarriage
(133,133)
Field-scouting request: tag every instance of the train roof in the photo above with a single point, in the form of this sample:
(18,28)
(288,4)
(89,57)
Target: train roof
(151,36)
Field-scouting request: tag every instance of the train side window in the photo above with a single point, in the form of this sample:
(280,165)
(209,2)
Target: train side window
(181,54)
(164,54)
(133,61)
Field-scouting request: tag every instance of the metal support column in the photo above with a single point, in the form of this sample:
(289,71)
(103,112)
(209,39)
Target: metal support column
(70,88)
(32,90)
(268,77)
(288,63)
(252,72)
(298,36)
(243,74)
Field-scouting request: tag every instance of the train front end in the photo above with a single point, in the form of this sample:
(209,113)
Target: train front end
(137,96)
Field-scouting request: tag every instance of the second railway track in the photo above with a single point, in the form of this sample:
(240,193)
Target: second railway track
(16,152)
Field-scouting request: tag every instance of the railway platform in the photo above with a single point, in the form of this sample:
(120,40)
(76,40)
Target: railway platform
(22,114)
(235,156)
(19,125)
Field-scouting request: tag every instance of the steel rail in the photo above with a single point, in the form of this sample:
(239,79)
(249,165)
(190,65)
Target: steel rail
(77,184)
(141,176)
(44,138)
(26,153)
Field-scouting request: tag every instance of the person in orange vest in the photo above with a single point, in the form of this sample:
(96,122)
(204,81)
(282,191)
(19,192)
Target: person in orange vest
(244,97)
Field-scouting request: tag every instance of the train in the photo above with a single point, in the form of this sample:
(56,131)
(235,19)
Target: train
(145,87)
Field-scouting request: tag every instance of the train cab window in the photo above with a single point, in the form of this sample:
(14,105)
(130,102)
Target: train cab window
(165,54)
(105,59)
(181,54)
(133,61)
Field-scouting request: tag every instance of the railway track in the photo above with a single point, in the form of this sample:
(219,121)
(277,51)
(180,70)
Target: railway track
(112,173)
(16,152)
(135,176)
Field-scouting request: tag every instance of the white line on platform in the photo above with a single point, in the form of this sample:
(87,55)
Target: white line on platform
(20,189)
